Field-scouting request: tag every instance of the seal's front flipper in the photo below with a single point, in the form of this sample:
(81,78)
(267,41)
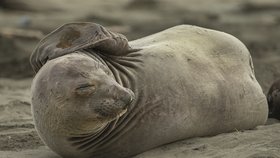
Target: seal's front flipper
(77,36)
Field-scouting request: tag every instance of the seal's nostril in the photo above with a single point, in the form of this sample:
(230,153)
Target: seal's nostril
(127,99)
(132,97)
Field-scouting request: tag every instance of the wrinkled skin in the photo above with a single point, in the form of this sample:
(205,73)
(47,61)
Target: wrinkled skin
(77,36)
(94,101)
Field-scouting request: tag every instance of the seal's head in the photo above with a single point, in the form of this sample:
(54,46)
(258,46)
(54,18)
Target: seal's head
(76,94)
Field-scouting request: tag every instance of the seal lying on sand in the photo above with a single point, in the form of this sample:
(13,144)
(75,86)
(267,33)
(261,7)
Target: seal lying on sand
(96,95)
(273,98)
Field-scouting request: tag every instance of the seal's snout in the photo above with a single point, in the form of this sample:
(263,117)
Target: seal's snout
(116,104)
(128,98)
(121,95)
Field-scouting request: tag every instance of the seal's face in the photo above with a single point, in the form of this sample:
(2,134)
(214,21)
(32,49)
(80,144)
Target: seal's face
(82,92)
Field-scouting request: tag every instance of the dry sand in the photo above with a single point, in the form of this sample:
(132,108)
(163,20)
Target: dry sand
(255,22)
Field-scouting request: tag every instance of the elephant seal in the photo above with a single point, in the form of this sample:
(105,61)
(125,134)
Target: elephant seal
(273,99)
(97,95)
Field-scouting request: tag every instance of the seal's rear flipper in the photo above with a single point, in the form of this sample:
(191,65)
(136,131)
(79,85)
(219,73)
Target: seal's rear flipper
(77,36)
(273,99)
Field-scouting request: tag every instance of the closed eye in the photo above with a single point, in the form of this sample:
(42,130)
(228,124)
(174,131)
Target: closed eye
(85,89)
(83,86)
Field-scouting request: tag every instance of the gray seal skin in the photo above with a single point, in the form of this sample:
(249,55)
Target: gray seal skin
(95,95)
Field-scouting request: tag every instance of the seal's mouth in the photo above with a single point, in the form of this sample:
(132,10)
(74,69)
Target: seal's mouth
(122,113)
(116,105)
(109,114)
(126,106)
(117,110)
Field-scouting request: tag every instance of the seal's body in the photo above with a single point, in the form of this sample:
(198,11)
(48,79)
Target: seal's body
(185,82)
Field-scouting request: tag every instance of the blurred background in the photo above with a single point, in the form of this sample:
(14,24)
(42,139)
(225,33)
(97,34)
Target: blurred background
(24,22)
(255,22)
